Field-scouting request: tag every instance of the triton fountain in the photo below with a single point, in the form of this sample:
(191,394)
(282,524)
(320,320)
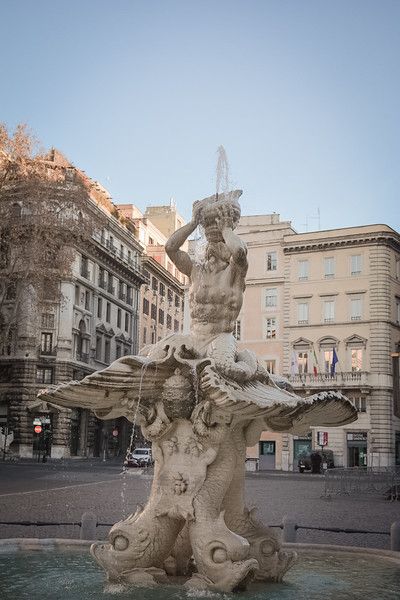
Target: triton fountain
(200,401)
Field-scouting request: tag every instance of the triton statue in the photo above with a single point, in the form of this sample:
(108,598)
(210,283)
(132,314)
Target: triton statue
(200,402)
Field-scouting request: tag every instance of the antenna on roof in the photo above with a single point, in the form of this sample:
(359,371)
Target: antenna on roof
(316,217)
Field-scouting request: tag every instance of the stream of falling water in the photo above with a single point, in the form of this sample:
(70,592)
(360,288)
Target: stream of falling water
(222,182)
(132,438)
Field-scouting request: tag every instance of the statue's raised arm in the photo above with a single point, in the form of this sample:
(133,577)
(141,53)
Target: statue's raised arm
(180,258)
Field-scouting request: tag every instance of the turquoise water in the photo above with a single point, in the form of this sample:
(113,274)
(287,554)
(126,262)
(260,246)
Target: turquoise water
(56,575)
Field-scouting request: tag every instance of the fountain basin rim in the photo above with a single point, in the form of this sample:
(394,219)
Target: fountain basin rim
(8,545)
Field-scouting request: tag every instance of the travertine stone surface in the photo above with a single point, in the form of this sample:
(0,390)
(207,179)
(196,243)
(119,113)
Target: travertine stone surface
(200,402)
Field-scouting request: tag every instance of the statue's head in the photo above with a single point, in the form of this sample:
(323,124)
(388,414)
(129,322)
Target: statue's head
(224,208)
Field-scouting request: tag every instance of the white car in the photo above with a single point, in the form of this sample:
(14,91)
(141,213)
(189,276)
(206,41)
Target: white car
(140,457)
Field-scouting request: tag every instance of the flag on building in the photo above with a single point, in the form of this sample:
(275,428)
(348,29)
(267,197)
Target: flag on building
(293,364)
(315,367)
(334,361)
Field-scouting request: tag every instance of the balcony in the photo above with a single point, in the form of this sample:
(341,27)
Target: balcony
(346,379)
(82,357)
(52,352)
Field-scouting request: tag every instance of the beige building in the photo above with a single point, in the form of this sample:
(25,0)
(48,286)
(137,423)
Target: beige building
(323,309)
(162,296)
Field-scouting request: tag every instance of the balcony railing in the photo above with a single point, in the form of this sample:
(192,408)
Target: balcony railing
(47,352)
(123,256)
(339,379)
(82,357)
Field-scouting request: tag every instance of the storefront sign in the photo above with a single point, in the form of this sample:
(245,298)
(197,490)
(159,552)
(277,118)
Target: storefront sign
(357,436)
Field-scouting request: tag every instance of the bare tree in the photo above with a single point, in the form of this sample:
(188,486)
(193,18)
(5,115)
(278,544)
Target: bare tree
(45,214)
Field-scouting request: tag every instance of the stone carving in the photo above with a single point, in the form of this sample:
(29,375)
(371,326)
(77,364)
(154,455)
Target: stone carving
(200,402)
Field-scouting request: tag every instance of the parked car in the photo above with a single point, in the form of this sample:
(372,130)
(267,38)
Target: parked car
(307,460)
(140,457)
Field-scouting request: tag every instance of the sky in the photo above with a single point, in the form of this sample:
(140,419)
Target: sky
(304,95)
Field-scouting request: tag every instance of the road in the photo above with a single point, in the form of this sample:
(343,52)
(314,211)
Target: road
(61,491)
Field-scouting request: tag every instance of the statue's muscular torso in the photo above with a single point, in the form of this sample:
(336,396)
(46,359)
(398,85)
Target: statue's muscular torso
(216,296)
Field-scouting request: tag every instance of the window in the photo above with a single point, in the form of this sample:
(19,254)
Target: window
(329,267)
(398,311)
(107,351)
(360,403)
(154,284)
(397,268)
(272,261)
(302,362)
(47,320)
(302,313)
(146,306)
(329,311)
(119,317)
(270,365)
(328,358)
(151,241)
(85,267)
(144,335)
(355,265)
(44,375)
(161,316)
(121,251)
(162,289)
(99,308)
(170,295)
(271,297)
(108,312)
(118,351)
(154,312)
(126,321)
(77,294)
(129,295)
(356,359)
(176,325)
(87,300)
(46,343)
(110,288)
(177,301)
(98,347)
(303,270)
(169,322)
(270,328)
(355,309)
(237,330)
(102,278)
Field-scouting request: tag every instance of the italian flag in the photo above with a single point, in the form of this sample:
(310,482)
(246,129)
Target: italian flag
(315,362)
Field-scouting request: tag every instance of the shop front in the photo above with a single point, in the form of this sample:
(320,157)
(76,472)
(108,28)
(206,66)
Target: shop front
(357,446)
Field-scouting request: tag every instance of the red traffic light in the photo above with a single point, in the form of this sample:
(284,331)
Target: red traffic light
(38,429)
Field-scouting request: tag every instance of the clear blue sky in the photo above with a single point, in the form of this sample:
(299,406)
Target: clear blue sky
(303,94)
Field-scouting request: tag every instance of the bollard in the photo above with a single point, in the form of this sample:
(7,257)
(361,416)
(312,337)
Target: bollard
(88,526)
(289,529)
(395,536)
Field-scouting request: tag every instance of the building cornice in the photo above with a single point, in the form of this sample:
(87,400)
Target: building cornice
(316,245)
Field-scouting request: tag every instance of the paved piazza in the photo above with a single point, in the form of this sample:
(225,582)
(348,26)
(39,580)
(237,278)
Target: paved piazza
(62,491)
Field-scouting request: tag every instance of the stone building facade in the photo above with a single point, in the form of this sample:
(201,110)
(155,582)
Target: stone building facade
(96,321)
(162,296)
(323,309)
